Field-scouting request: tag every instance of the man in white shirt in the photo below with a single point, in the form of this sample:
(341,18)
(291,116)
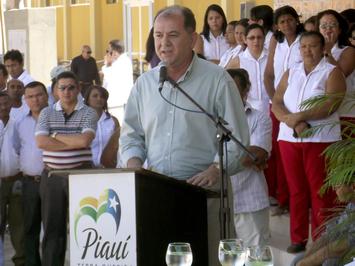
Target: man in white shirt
(118,78)
(13,60)
(15,90)
(11,210)
(3,77)
(31,166)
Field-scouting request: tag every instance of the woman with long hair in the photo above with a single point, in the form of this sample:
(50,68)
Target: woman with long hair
(105,145)
(213,43)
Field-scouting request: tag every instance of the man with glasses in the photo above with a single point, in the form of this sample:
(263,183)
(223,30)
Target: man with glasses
(64,132)
(84,66)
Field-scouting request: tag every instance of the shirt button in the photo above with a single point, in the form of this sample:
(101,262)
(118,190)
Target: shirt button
(168,134)
(166,157)
(170,112)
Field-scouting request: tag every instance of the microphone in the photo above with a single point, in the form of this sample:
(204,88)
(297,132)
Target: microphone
(163,76)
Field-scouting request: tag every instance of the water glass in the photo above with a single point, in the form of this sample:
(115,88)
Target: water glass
(259,256)
(231,252)
(178,254)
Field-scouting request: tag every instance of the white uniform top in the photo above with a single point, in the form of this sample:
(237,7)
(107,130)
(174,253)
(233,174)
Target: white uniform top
(9,160)
(285,57)
(302,87)
(215,48)
(230,54)
(346,109)
(257,96)
(105,129)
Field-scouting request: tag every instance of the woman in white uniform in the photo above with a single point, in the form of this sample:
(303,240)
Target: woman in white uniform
(334,28)
(213,44)
(105,145)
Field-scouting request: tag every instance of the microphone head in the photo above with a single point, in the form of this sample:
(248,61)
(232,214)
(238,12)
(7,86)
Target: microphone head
(163,73)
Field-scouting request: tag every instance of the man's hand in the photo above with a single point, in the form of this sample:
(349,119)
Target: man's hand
(206,178)
(134,162)
(261,157)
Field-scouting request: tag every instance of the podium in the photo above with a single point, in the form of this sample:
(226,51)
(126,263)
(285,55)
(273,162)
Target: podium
(125,217)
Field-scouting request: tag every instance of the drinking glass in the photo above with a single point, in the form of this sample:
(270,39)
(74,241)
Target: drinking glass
(259,256)
(178,254)
(231,252)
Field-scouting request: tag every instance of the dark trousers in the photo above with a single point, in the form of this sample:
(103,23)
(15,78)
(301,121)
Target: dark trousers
(12,213)
(54,206)
(32,223)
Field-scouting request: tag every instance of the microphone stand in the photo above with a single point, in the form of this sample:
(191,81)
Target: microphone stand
(223,135)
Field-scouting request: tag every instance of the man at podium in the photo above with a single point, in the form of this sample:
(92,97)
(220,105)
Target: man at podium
(173,138)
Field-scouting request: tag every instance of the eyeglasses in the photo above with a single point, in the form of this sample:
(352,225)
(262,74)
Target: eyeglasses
(328,26)
(69,88)
(88,52)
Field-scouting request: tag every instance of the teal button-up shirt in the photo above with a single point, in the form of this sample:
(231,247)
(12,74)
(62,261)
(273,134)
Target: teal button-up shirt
(178,143)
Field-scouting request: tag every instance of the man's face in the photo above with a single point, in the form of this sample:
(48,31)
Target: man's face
(36,98)
(67,91)
(86,53)
(5,107)
(173,44)
(14,68)
(15,89)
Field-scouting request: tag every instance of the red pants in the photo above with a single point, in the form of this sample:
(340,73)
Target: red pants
(305,173)
(274,173)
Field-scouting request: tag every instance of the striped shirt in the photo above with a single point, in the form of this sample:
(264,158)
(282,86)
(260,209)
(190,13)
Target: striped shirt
(54,119)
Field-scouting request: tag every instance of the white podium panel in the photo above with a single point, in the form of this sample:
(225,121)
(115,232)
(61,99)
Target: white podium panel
(102,211)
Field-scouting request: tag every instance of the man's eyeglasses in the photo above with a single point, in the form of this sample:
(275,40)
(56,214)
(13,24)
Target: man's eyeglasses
(328,26)
(88,52)
(69,88)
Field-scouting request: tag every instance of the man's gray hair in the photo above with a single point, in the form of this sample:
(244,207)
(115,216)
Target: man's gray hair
(189,17)
(117,45)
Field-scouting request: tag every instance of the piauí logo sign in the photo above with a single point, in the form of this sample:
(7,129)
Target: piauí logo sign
(108,202)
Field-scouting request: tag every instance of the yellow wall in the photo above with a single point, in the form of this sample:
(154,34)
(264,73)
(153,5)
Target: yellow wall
(111,25)
(110,22)
(80,31)
(60,32)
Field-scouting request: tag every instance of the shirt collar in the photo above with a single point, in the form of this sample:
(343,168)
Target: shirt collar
(58,107)
(247,54)
(216,38)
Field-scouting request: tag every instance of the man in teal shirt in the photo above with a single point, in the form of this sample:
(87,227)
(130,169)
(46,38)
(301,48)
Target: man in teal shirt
(174,142)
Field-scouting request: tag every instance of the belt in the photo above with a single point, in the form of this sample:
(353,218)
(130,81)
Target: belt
(35,178)
(11,178)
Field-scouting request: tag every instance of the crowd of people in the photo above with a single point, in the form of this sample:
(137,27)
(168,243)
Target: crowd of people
(254,73)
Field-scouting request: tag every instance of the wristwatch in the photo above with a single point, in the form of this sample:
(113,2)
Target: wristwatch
(53,135)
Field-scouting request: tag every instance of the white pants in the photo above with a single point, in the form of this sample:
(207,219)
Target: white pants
(253,227)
